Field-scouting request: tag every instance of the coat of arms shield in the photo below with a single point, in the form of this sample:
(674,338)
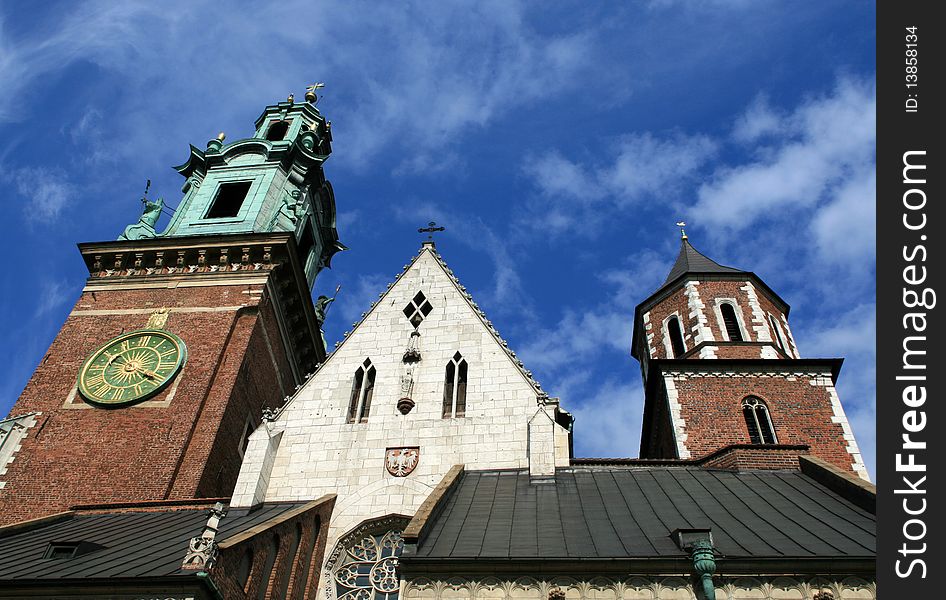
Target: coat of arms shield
(401,461)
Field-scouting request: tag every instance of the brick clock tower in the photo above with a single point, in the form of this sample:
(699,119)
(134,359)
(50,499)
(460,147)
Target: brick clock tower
(181,339)
(724,381)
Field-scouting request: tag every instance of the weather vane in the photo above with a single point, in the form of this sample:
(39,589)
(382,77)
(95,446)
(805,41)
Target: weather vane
(310,95)
(681,225)
(430,229)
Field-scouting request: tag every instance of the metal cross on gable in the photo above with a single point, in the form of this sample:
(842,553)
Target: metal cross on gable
(430,229)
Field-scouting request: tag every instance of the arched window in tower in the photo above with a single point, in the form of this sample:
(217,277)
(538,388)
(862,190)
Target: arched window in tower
(758,422)
(277,131)
(454,387)
(730,322)
(362,390)
(676,337)
(778,334)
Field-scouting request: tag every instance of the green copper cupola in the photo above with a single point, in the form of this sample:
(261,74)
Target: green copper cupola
(270,182)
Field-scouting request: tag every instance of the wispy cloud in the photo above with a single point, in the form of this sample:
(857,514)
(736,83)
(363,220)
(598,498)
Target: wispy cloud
(821,145)
(45,191)
(641,166)
(52,295)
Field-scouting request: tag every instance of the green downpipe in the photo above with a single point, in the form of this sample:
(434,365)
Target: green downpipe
(704,564)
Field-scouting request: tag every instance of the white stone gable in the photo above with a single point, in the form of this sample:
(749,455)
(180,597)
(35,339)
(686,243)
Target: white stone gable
(310,449)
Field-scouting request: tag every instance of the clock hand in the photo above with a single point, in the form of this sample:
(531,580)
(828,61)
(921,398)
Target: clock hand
(148,374)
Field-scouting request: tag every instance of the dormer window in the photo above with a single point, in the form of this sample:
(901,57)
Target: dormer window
(229,199)
(277,131)
(68,550)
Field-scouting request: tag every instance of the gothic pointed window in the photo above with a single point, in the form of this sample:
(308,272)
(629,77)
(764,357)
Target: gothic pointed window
(454,387)
(731,323)
(758,422)
(777,331)
(418,309)
(362,390)
(676,337)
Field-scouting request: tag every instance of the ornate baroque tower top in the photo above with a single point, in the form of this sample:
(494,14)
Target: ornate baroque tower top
(271,182)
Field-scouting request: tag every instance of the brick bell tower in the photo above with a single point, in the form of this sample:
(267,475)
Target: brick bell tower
(181,339)
(724,381)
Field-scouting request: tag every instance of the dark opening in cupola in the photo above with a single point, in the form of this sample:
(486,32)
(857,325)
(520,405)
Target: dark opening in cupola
(306,242)
(277,131)
(229,199)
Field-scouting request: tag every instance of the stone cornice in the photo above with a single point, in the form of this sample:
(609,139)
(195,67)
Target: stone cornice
(263,258)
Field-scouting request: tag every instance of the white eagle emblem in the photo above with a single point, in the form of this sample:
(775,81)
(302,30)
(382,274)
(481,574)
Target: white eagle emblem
(401,461)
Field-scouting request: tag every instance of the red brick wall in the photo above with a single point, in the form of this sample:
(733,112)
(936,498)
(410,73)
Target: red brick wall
(675,302)
(801,414)
(709,291)
(91,455)
(758,457)
(303,582)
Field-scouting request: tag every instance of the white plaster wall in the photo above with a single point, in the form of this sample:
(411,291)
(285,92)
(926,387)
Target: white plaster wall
(319,453)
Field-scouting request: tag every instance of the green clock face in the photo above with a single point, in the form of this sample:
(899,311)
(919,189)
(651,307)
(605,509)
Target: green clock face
(132,367)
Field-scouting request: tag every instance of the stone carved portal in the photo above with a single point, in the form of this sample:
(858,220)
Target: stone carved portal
(364,564)
(400,462)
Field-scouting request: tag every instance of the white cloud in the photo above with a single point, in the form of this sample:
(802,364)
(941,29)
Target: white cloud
(836,135)
(640,166)
(46,191)
(52,295)
(758,121)
(608,419)
(845,228)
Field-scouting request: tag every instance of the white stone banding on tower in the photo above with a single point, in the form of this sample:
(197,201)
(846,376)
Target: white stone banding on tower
(677,422)
(701,330)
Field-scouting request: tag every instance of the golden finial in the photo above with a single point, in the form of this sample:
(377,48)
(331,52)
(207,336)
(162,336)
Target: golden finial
(291,98)
(221,136)
(310,91)
(681,225)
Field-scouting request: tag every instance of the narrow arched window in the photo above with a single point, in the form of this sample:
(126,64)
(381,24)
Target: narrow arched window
(778,334)
(731,323)
(267,573)
(676,336)
(758,422)
(362,390)
(454,387)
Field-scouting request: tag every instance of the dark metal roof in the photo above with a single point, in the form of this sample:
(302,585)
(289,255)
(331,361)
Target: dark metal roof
(136,544)
(691,261)
(629,513)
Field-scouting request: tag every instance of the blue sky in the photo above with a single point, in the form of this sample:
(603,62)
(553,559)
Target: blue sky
(558,142)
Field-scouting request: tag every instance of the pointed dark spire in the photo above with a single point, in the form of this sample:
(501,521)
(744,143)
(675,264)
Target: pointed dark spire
(691,261)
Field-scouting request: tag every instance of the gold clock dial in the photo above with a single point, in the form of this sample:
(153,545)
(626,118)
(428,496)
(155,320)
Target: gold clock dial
(132,367)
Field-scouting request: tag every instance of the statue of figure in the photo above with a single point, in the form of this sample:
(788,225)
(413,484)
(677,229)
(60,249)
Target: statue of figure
(292,205)
(152,212)
(321,307)
(144,228)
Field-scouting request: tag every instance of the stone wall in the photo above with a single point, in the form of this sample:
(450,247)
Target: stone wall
(310,449)
(636,588)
